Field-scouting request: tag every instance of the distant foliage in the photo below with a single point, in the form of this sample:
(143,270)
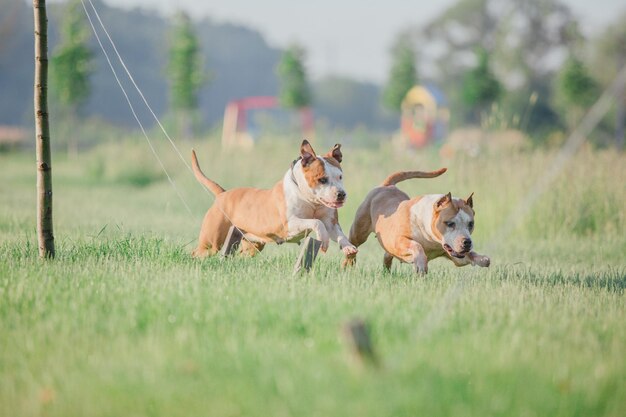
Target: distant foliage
(576,84)
(240,56)
(185,67)
(609,51)
(576,90)
(294,88)
(71,63)
(524,40)
(481,88)
(403,74)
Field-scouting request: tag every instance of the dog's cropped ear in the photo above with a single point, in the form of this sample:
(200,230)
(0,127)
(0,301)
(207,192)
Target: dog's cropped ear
(443,201)
(469,201)
(307,153)
(335,152)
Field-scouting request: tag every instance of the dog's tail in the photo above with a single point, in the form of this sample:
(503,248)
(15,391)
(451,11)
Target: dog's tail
(397,177)
(212,186)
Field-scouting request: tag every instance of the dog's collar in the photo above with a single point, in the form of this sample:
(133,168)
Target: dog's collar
(293,164)
(295,161)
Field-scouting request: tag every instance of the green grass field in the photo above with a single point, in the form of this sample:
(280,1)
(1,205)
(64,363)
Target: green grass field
(124,323)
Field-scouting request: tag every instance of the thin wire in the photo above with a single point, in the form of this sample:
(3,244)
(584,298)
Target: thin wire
(132,79)
(154,115)
(132,109)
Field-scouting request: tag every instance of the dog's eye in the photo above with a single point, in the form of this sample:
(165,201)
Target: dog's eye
(323,180)
(471,225)
(449,224)
(341,177)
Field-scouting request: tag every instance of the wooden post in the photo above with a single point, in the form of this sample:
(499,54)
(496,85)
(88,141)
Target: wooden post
(357,336)
(233,239)
(310,248)
(42,132)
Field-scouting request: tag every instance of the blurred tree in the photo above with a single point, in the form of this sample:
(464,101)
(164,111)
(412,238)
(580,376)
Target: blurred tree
(403,74)
(576,91)
(609,57)
(246,64)
(71,68)
(524,39)
(294,88)
(185,72)
(481,88)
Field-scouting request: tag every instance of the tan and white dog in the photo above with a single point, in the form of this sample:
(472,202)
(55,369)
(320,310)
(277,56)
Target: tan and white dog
(419,229)
(306,199)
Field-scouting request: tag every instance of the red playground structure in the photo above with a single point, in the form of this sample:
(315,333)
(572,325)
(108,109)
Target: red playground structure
(236,126)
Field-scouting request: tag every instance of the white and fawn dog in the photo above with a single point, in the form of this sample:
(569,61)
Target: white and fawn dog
(416,230)
(306,199)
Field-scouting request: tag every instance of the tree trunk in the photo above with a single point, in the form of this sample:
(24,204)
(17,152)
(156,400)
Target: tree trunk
(42,131)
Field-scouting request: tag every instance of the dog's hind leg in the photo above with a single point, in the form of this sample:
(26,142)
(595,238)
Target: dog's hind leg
(213,232)
(250,248)
(387,259)
(203,251)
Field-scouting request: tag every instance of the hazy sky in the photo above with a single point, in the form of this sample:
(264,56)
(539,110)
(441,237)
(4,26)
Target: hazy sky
(349,37)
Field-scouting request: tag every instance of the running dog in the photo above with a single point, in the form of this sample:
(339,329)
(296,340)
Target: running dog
(306,199)
(419,229)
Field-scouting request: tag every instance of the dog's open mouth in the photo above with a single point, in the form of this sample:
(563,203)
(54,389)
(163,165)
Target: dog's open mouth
(452,252)
(333,204)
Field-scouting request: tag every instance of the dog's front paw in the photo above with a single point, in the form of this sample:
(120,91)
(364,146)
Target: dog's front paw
(482,260)
(348,261)
(421,268)
(349,250)
(324,245)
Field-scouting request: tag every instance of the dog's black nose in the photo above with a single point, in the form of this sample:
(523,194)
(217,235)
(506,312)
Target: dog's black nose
(341,195)
(467,244)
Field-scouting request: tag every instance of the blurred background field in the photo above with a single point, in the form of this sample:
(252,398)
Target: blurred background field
(124,322)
